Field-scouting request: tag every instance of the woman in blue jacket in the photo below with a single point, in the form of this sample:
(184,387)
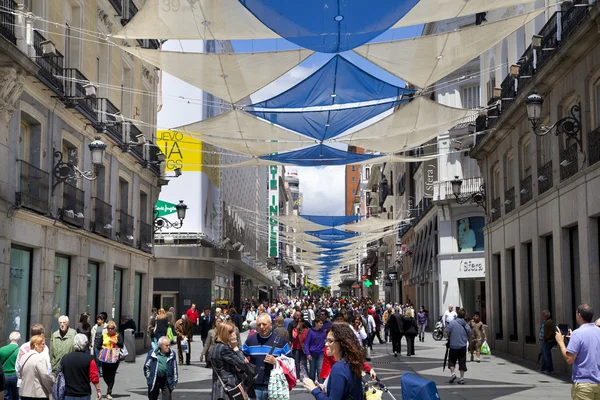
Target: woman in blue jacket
(313,348)
(160,370)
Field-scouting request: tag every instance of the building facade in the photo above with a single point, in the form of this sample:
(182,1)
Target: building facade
(541,239)
(73,245)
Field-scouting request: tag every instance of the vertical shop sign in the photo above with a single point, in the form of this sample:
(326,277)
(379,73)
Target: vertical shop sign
(273,211)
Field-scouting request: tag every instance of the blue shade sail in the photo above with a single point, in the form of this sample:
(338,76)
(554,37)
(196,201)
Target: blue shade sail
(318,155)
(333,252)
(328,26)
(328,220)
(331,245)
(326,124)
(337,82)
(332,234)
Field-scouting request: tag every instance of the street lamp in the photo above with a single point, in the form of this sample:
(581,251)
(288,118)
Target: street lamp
(569,126)
(162,222)
(477,198)
(64,171)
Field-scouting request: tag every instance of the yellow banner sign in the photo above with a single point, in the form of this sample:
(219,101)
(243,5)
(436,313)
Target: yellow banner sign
(182,151)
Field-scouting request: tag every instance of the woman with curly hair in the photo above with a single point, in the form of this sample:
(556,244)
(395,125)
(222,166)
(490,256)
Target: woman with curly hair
(345,376)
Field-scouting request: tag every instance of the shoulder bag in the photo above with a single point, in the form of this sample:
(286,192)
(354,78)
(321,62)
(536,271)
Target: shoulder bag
(237,392)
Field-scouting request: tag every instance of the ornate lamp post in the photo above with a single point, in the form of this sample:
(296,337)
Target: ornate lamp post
(477,198)
(64,171)
(162,222)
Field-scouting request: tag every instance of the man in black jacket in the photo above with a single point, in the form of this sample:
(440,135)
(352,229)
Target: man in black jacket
(206,322)
(395,323)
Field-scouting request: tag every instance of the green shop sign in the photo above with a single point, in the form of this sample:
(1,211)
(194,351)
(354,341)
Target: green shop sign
(163,208)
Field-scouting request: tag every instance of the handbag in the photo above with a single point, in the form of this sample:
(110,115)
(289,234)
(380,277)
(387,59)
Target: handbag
(109,356)
(236,393)
(123,353)
(58,389)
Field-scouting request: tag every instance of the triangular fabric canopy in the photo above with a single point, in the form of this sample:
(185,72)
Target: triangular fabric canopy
(371,224)
(326,124)
(251,136)
(195,19)
(229,76)
(331,244)
(438,10)
(337,82)
(299,223)
(328,27)
(318,155)
(411,125)
(331,221)
(332,234)
(424,60)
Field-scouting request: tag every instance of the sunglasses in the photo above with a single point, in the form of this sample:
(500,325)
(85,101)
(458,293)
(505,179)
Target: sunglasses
(110,328)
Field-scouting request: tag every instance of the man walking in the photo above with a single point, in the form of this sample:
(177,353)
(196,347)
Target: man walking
(263,350)
(546,337)
(184,330)
(160,370)
(459,333)
(192,315)
(384,319)
(61,342)
(206,323)
(449,315)
(583,352)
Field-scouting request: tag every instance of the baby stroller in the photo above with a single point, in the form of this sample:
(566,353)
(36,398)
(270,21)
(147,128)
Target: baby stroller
(417,388)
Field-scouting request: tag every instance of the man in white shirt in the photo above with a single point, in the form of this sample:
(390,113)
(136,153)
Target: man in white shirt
(449,315)
(37,329)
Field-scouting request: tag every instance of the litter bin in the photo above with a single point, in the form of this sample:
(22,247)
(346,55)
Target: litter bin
(129,341)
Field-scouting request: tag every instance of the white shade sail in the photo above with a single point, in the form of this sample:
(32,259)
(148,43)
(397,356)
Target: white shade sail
(411,125)
(424,60)
(239,131)
(203,19)
(298,223)
(372,224)
(437,10)
(391,158)
(229,76)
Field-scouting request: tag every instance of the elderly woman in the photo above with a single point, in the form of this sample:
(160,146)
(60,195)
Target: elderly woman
(230,368)
(110,340)
(345,377)
(36,382)
(79,369)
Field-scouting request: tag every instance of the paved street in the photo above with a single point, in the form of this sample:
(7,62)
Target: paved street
(496,377)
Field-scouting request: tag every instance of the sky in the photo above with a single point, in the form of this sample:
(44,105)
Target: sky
(322,187)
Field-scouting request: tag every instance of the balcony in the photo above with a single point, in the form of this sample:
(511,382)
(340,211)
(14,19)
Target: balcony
(132,11)
(125,232)
(545,178)
(7,20)
(569,165)
(117,5)
(73,205)
(51,67)
(442,190)
(509,200)
(496,210)
(145,242)
(75,96)
(33,188)
(509,91)
(594,146)
(525,190)
(101,218)
(149,43)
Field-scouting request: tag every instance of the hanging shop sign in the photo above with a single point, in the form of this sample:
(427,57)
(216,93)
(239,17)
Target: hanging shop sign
(393,276)
(273,211)
(430,171)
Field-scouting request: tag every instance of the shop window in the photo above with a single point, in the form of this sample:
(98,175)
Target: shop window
(530,337)
(514,337)
(470,234)
(137,301)
(60,299)
(497,268)
(19,291)
(116,300)
(92,289)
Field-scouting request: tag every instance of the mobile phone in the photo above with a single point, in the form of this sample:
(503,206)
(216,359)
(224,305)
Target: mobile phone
(564,329)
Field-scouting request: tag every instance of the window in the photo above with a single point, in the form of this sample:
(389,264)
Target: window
(72,14)
(123,195)
(597,102)
(126,91)
(92,289)
(530,337)
(470,97)
(24,141)
(30,139)
(353,179)
(470,234)
(514,337)
(566,112)
(353,191)
(143,207)
(354,168)
(496,180)
(71,155)
(116,298)
(549,273)
(497,268)
(525,158)
(137,301)
(367,173)
(546,145)
(508,171)
(574,272)
(60,299)
(19,291)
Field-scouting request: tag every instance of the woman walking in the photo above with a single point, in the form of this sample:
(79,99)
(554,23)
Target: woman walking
(299,334)
(345,377)
(111,341)
(79,370)
(162,324)
(410,331)
(229,365)
(422,322)
(36,382)
(210,341)
(84,327)
(313,348)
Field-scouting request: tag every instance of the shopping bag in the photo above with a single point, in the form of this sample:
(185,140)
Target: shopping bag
(109,356)
(170,333)
(278,386)
(485,348)
(289,370)
(123,353)
(185,348)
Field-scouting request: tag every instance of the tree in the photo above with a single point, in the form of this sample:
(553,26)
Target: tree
(320,290)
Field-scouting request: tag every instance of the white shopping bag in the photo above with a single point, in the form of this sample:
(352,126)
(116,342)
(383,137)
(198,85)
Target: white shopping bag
(185,346)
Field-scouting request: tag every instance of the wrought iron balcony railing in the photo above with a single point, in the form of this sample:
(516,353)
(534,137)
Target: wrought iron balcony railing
(132,11)
(51,67)
(33,187)
(73,205)
(509,200)
(75,95)
(496,210)
(117,5)
(594,146)
(7,20)
(525,190)
(102,220)
(125,231)
(145,242)
(569,165)
(509,91)
(545,177)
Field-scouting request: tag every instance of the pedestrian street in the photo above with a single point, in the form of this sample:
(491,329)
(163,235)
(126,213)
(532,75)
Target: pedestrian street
(496,377)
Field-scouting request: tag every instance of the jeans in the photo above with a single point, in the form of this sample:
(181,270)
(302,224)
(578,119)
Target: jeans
(98,362)
(547,357)
(160,386)
(387,332)
(315,364)
(77,398)
(422,331)
(261,393)
(11,391)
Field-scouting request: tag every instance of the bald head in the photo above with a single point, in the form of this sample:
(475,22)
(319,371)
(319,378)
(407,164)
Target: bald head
(264,324)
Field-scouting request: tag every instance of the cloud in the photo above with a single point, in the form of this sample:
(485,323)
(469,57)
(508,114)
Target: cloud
(323,190)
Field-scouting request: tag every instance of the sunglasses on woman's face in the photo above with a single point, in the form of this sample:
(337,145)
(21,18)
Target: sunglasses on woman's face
(110,328)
